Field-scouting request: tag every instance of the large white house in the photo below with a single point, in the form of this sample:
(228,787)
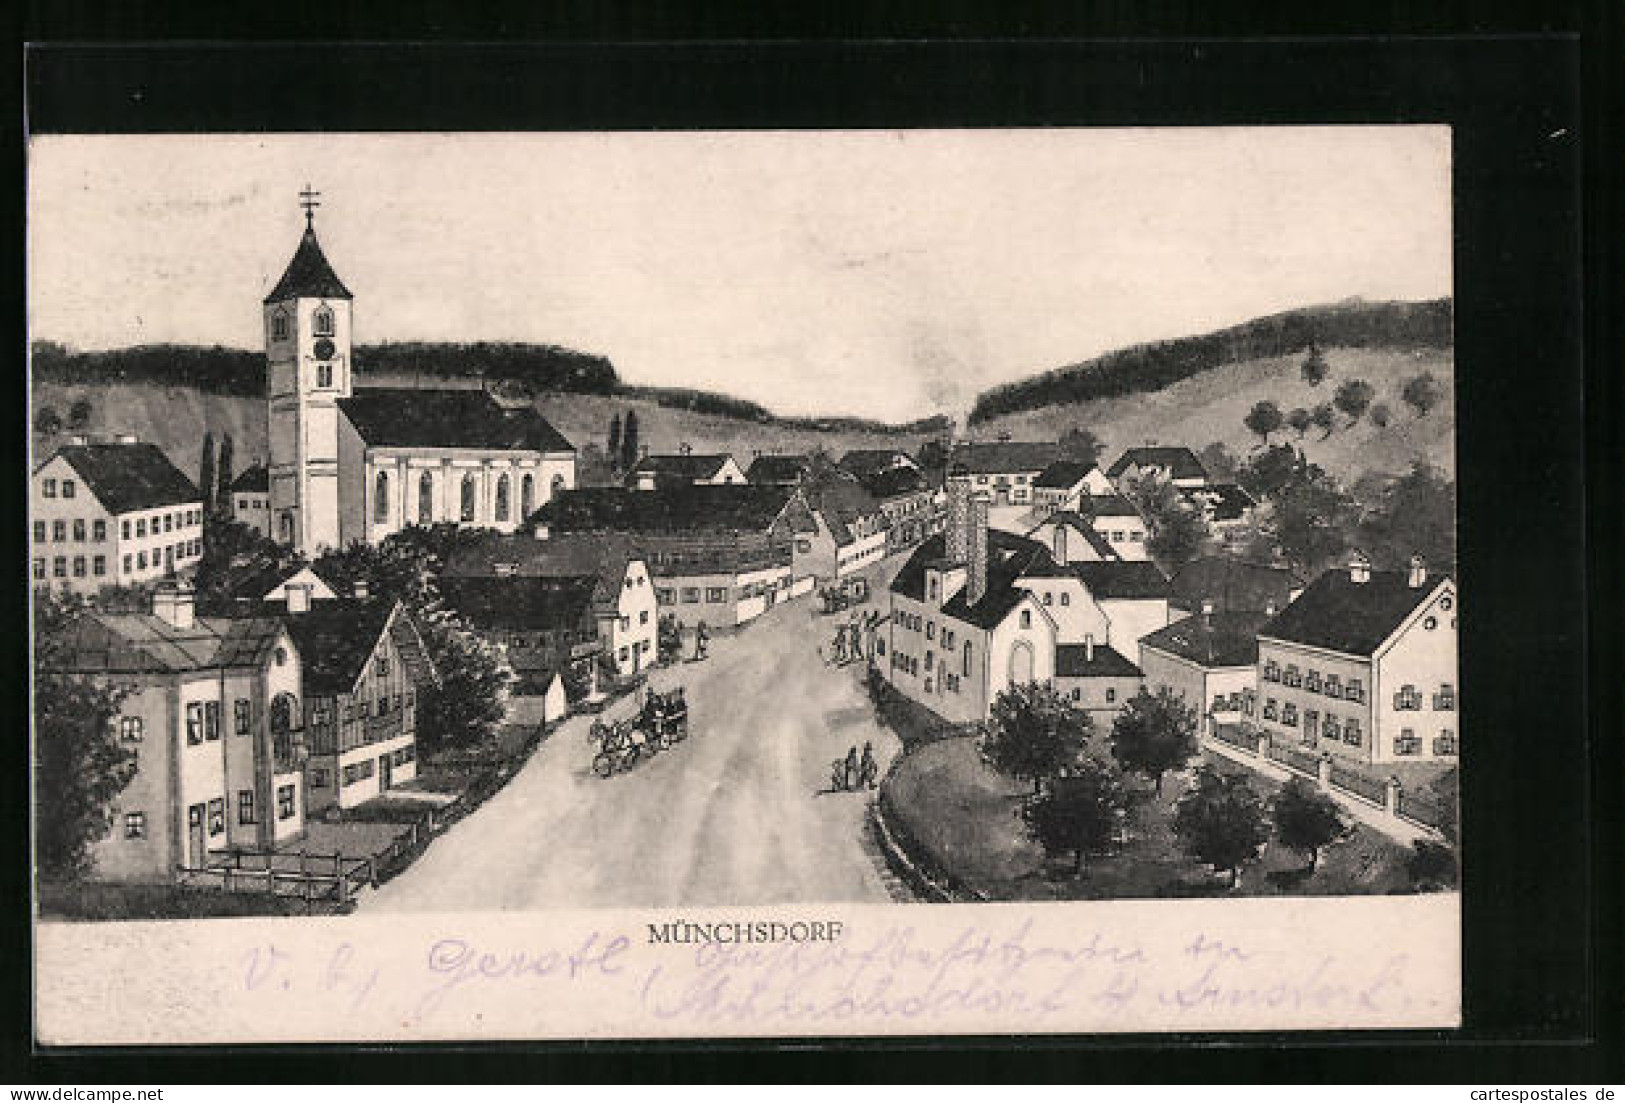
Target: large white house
(349,465)
(114,513)
(1362,665)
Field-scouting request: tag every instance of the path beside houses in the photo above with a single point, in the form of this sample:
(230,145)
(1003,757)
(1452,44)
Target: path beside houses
(736,814)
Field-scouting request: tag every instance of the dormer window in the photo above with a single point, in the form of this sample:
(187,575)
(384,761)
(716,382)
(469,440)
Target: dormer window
(322,322)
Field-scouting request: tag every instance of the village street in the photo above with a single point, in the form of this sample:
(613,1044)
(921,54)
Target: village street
(739,813)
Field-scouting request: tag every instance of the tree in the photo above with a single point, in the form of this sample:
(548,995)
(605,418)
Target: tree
(1414,514)
(222,500)
(1314,367)
(468,699)
(233,551)
(629,441)
(1082,812)
(614,448)
(1154,733)
(594,467)
(1431,866)
(1081,444)
(1177,528)
(1219,462)
(1322,418)
(1354,398)
(1033,732)
(47,422)
(1263,419)
(1381,415)
(933,455)
(1299,420)
(1220,821)
(205,482)
(79,413)
(1307,820)
(1266,473)
(80,764)
(670,634)
(1311,519)
(1421,393)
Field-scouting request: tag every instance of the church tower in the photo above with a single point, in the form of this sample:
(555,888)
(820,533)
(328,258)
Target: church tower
(307,352)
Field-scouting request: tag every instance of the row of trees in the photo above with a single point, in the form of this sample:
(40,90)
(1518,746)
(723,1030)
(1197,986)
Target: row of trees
(215,475)
(1083,799)
(623,446)
(1354,398)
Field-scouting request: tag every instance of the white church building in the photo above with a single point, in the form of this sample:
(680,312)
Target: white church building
(349,465)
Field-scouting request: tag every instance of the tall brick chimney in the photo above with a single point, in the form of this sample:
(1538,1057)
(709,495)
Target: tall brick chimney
(957,535)
(976,551)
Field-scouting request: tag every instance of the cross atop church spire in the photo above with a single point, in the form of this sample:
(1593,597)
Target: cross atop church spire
(308,200)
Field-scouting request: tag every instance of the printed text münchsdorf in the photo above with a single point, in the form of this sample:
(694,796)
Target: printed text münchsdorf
(683,932)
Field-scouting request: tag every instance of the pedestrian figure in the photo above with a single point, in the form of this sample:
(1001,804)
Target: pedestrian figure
(867,769)
(702,636)
(850,776)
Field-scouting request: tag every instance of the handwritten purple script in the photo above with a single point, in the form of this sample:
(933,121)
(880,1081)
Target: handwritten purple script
(984,973)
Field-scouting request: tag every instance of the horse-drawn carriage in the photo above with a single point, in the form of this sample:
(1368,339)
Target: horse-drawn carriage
(660,722)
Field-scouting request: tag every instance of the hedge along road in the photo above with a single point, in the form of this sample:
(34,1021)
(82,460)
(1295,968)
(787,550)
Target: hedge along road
(736,814)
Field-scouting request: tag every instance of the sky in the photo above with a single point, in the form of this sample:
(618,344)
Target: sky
(889,274)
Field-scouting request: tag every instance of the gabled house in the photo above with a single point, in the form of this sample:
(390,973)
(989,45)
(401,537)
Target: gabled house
(1232,586)
(547,626)
(1096,678)
(685,469)
(1173,464)
(851,531)
(623,596)
(1005,470)
(719,554)
(267,590)
(111,514)
(864,462)
(1133,594)
(1063,483)
(1072,538)
(777,470)
(911,505)
(1210,659)
(1120,522)
(215,722)
(1362,666)
(364,666)
(961,630)
(251,499)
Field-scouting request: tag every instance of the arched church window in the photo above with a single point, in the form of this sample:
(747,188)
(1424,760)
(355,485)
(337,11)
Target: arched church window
(426,499)
(527,496)
(502,498)
(468,498)
(380,504)
(322,323)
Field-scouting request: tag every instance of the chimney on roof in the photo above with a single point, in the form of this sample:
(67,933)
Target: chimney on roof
(1207,612)
(976,551)
(1089,647)
(1359,568)
(1269,607)
(643,451)
(957,537)
(175,603)
(298,599)
(645,480)
(1418,573)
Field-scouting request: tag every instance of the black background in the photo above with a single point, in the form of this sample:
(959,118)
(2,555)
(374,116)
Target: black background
(1541,770)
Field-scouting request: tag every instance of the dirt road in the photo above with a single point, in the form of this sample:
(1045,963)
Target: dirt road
(736,814)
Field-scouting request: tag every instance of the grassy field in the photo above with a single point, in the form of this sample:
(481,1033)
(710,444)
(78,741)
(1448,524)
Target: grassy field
(1209,407)
(966,819)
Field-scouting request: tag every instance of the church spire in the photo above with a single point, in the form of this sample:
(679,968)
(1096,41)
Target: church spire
(309,275)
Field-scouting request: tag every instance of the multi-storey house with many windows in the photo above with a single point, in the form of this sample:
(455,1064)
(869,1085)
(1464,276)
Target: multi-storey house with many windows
(1007,471)
(111,514)
(214,719)
(1362,665)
